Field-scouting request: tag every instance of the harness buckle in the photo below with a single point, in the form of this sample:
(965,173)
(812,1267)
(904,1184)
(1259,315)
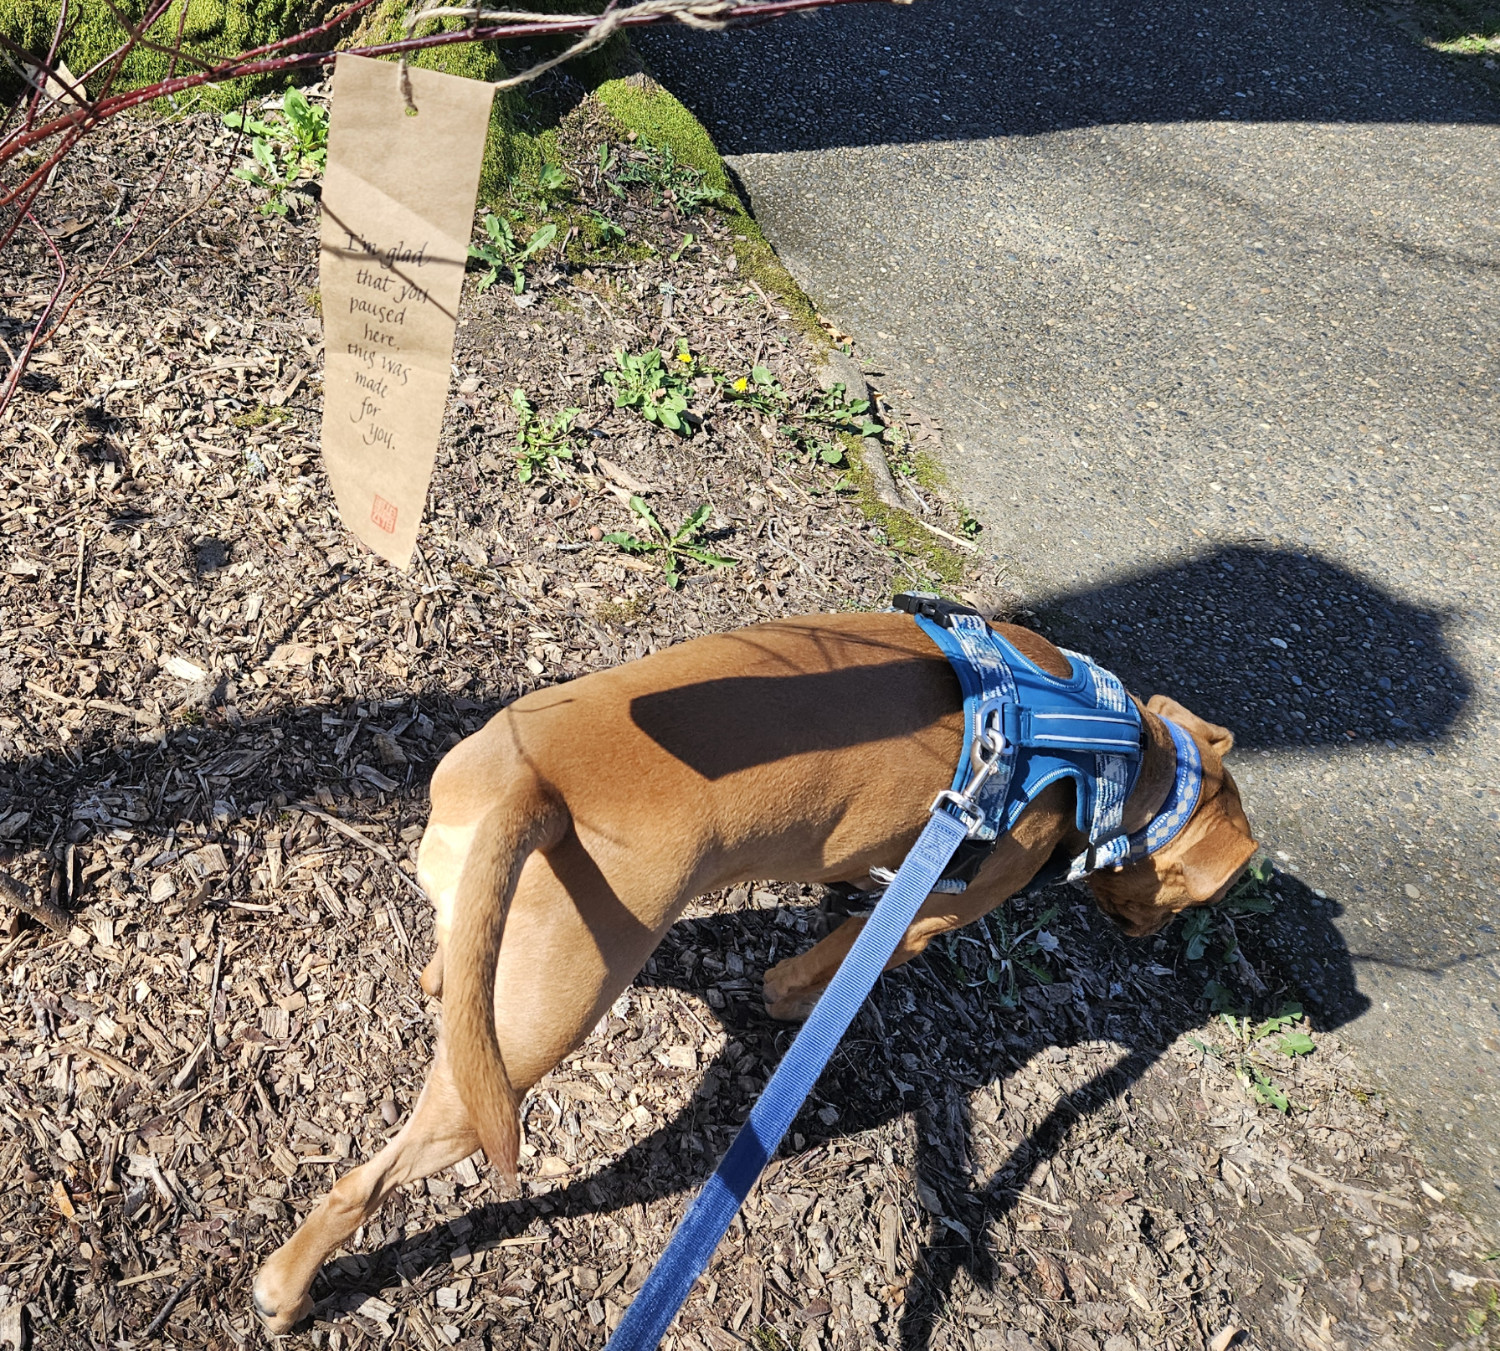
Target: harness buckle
(932,607)
(963,807)
(989,749)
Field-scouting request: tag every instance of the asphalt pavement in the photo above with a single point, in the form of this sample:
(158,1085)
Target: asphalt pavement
(1208,299)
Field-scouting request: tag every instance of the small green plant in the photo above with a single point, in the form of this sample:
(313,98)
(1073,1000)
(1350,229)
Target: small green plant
(759,390)
(969,525)
(606,160)
(655,168)
(682,248)
(674,546)
(811,447)
(1212,934)
(502,250)
(654,386)
(768,1339)
(1006,949)
(1241,1058)
(1479,1318)
(284,149)
(551,185)
(834,408)
(540,444)
(606,231)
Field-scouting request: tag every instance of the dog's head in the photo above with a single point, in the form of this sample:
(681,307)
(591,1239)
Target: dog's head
(1200,865)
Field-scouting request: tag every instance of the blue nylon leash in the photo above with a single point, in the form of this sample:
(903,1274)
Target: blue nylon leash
(710,1215)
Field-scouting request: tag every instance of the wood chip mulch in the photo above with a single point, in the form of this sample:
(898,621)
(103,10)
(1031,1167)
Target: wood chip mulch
(218,717)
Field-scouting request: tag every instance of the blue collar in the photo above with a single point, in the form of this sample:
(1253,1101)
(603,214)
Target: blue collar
(1083,727)
(1182,801)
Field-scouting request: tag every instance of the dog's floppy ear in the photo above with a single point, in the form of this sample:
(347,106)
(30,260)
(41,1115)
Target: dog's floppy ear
(1219,739)
(1213,863)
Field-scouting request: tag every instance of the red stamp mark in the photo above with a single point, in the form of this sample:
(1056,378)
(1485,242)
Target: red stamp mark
(383,513)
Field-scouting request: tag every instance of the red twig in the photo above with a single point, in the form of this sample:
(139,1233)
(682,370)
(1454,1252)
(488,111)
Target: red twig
(13,380)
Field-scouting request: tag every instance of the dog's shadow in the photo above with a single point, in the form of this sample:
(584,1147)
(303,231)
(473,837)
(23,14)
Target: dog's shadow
(920,1037)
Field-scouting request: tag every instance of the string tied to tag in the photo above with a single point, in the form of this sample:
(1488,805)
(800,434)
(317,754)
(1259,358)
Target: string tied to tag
(405,82)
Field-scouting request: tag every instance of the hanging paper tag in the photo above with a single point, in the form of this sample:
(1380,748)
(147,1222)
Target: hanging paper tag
(398,207)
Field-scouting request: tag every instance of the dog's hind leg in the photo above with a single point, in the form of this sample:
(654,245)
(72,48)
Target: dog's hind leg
(437,1136)
(431,979)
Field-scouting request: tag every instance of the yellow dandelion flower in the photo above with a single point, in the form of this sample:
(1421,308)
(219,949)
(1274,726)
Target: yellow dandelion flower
(741,385)
(684,355)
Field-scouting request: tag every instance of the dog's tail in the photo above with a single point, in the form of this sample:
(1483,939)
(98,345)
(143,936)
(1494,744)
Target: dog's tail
(529,818)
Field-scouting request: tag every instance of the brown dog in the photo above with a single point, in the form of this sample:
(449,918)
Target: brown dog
(568,834)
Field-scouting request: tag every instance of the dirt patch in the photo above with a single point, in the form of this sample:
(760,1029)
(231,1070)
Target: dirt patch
(217,722)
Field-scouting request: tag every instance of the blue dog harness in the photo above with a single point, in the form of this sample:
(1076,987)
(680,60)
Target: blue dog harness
(1023,729)
(1082,727)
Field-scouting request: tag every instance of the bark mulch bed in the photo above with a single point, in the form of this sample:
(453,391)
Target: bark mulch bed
(218,717)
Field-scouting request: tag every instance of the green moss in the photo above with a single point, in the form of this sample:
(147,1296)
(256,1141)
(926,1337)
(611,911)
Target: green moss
(469,61)
(259,416)
(929,564)
(212,31)
(925,471)
(759,263)
(637,103)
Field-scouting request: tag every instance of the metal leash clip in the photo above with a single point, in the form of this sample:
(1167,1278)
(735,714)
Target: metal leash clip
(989,750)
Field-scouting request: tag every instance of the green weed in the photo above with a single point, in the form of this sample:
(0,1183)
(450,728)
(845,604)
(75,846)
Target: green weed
(502,250)
(284,149)
(834,408)
(665,179)
(1211,933)
(674,546)
(1479,1318)
(1254,1074)
(540,444)
(654,386)
(605,231)
(759,390)
(550,186)
(1006,950)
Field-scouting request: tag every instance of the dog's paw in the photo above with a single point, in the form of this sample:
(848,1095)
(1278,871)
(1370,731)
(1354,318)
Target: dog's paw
(786,1000)
(278,1315)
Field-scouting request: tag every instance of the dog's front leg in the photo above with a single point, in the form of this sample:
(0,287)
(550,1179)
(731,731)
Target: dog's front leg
(437,1136)
(792,987)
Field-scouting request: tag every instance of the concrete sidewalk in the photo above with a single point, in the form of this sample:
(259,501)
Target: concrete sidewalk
(1211,308)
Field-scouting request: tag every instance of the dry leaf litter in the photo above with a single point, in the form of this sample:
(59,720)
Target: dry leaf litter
(217,721)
